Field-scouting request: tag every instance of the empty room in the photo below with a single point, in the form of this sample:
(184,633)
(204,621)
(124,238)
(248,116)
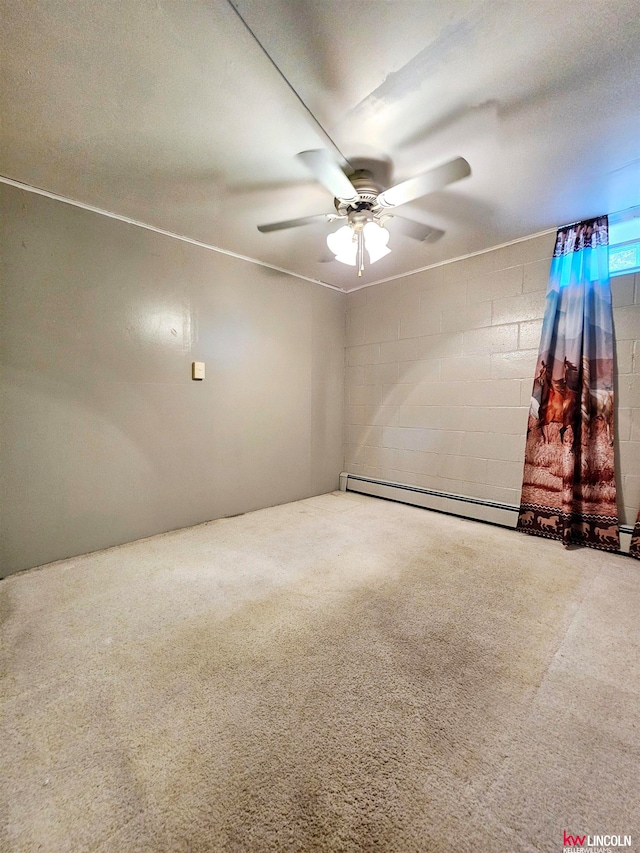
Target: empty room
(320,434)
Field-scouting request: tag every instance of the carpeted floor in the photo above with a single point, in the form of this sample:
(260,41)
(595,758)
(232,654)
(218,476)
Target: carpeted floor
(337,674)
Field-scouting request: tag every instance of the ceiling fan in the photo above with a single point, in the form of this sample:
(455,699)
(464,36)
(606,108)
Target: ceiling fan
(365,206)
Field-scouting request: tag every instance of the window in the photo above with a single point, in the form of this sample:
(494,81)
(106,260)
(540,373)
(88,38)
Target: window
(624,242)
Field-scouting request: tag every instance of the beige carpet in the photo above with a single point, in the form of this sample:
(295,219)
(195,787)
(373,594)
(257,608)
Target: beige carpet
(337,674)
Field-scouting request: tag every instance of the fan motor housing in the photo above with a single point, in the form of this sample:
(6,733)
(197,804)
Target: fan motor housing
(368,192)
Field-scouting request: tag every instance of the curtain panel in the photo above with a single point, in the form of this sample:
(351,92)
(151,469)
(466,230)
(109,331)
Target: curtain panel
(569,489)
(634,550)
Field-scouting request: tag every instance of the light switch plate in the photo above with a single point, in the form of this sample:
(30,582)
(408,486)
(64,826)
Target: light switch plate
(197,370)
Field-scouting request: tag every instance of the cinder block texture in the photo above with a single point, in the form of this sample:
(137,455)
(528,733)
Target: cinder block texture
(448,357)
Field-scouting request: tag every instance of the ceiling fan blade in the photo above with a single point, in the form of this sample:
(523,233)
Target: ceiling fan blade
(294,223)
(329,174)
(428,182)
(417,230)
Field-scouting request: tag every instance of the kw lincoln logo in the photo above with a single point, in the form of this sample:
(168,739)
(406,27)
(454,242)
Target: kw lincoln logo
(593,843)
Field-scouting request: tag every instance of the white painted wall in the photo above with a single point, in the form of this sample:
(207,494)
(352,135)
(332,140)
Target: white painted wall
(439,370)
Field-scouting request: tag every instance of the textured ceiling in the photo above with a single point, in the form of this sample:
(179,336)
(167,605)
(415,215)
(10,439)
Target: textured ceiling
(168,112)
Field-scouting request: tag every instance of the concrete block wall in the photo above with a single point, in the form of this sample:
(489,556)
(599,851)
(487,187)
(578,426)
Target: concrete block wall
(439,368)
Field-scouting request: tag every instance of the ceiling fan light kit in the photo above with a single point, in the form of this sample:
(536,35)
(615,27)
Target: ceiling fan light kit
(350,241)
(365,206)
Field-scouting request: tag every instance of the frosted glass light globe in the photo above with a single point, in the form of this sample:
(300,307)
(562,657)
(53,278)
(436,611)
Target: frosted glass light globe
(375,241)
(343,245)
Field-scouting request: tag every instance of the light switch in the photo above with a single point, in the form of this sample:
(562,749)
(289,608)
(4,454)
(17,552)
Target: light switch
(197,369)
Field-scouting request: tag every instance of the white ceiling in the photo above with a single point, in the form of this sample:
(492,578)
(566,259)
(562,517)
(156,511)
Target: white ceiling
(168,112)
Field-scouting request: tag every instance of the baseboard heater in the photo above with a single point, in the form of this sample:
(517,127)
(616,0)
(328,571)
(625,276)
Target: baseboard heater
(491,512)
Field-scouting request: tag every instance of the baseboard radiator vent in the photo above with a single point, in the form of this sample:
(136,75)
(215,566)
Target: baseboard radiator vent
(491,512)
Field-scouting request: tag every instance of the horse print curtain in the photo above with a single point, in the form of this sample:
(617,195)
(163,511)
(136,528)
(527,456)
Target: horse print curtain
(634,550)
(569,489)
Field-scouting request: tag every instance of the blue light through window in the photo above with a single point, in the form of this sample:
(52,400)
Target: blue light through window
(624,242)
